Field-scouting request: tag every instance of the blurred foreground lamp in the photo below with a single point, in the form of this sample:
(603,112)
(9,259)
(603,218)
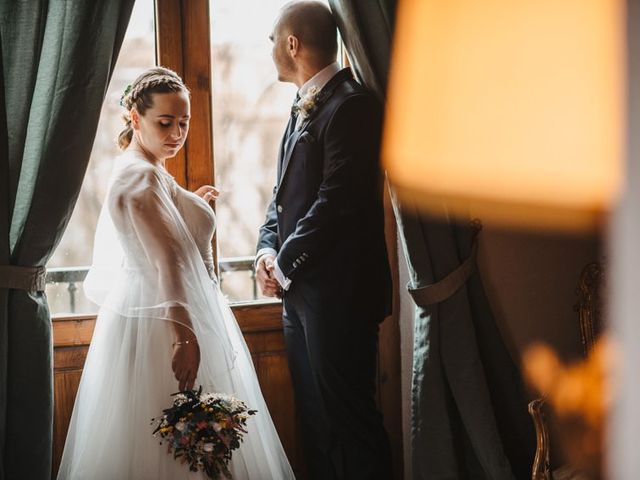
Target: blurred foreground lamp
(511,110)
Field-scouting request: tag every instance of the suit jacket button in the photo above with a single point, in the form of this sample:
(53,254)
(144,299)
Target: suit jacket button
(279,208)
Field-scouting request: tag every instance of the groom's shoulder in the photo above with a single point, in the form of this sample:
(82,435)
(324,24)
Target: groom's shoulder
(349,91)
(350,88)
(351,96)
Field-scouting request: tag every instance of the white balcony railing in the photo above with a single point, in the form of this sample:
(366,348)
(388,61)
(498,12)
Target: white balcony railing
(74,276)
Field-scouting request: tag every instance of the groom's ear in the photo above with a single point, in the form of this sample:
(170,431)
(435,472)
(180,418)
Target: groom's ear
(293,45)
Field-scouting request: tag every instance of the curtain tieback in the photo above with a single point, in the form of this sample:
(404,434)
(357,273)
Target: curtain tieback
(449,285)
(32,279)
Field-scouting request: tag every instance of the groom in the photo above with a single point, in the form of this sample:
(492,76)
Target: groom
(322,249)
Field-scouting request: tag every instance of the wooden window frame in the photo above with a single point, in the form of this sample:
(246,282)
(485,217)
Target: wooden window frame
(190,57)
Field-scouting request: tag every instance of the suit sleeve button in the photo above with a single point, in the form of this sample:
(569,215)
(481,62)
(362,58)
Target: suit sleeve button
(279,208)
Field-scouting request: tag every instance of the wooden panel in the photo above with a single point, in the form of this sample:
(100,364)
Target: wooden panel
(275,381)
(259,317)
(184,44)
(196,54)
(261,325)
(264,343)
(169,54)
(68,363)
(69,358)
(169,31)
(197,75)
(73,331)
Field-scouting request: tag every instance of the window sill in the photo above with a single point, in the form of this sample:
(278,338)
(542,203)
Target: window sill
(253,317)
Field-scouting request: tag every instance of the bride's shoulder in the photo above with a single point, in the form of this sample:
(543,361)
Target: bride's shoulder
(131,169)
(135,178)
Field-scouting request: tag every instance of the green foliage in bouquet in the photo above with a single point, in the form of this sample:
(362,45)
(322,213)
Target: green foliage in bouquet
(203,429)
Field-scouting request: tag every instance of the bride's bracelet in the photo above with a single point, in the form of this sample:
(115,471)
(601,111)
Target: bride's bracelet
(185,342)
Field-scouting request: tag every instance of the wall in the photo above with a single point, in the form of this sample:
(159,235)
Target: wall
(624,238)
(530,280)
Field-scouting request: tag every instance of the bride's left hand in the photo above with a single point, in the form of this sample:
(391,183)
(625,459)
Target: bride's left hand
(207,193)
(185,361)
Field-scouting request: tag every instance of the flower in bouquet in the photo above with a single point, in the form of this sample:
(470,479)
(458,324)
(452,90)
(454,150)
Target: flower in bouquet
(203,429)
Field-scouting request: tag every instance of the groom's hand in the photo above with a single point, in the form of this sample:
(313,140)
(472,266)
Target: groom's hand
(264,273)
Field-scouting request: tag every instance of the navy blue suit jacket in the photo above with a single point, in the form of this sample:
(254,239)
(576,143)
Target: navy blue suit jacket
(326,217)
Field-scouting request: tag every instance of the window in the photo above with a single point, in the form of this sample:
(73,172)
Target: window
(70,261)
(250,110)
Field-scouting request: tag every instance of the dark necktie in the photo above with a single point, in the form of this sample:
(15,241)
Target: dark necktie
(291,126)
(293,117)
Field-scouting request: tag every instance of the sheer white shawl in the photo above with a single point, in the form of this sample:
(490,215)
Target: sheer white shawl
(146,263)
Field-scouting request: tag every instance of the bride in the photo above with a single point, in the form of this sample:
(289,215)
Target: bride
(163,323)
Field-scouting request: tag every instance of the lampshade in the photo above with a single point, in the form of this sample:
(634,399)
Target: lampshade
(511,109)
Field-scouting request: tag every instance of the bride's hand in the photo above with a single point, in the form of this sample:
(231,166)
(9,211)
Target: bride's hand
(207,193)
(185,362)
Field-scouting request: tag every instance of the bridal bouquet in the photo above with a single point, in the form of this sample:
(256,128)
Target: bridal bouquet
(203,429)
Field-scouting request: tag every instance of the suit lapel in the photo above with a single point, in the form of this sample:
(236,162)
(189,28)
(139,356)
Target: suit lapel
(289,146)
(288,151)
(283,144)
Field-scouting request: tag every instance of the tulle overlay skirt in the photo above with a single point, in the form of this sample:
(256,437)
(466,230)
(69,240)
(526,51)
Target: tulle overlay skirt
(127,380)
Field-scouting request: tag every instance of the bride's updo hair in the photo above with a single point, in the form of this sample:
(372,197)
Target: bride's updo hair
(139,95)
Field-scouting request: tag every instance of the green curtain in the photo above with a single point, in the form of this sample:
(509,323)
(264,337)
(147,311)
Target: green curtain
(366,27)
(469,412)
(57,59)
(4,256)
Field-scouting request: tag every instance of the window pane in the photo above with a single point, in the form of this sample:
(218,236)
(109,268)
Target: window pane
(250,112)
(73,255)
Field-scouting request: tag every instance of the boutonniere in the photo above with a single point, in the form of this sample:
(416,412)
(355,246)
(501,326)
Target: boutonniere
(308,104)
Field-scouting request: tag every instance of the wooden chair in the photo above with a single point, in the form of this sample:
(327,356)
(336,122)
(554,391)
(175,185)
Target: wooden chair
(590,309)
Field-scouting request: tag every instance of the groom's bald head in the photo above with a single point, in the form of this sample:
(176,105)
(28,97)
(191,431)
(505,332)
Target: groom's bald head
(313,25)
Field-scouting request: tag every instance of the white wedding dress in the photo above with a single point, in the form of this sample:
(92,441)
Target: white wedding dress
(152,252)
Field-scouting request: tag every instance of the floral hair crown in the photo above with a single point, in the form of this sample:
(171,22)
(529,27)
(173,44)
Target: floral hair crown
(123,97)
